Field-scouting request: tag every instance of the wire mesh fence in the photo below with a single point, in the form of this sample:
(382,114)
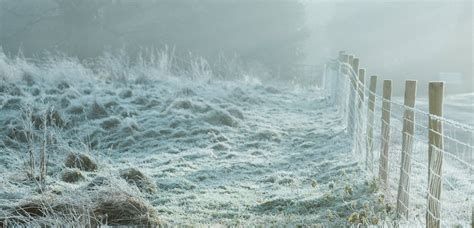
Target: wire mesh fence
(424,162)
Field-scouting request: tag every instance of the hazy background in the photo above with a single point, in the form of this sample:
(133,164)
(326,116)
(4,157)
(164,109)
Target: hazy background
(424,40)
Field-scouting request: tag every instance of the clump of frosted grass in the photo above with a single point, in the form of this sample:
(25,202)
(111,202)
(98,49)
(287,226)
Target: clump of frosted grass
(119,67)
(13,68)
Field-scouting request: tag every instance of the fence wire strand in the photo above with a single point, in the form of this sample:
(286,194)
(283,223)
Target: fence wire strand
(416,199)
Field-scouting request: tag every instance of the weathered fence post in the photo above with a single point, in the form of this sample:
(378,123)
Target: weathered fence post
(344,104)
(345,59)
(358,112)
(341,55)
(355,68)
(354,63)
(407,149)
(370,119)
(360,87)
(385,135)
(350,61)
(435,153)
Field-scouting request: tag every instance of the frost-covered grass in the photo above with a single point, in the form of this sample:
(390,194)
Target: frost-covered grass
(176,144)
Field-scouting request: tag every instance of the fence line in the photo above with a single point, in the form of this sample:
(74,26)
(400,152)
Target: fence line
(424,160)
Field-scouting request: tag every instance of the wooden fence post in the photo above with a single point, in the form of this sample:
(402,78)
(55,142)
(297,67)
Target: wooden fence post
(370,119)
(355,84)
(407,148)
(352,95)
(360,88)
(435,153)
(355,65)
(350,61)
(358,121)
(344,59)
(341,56)
(345,71)
(385,135)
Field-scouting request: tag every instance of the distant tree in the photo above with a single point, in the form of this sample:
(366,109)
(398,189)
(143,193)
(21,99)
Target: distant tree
(268,32)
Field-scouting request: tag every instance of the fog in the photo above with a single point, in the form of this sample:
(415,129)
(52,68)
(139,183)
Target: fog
(423,40)
(236,113)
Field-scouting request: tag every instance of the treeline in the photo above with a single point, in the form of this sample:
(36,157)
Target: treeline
(268,32)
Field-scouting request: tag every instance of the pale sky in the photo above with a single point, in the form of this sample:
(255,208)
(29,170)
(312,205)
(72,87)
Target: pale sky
(398,39)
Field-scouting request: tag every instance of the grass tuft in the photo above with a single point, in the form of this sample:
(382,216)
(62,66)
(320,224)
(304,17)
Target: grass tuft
(81,161)
(136,177)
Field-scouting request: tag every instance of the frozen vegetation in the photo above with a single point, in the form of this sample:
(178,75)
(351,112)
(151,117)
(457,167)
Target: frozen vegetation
(146,143)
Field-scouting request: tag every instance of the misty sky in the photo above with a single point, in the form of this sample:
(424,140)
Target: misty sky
(397,39)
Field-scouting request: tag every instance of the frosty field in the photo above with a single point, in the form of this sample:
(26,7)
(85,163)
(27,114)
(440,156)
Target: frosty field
(173,148)
(257,113)
(212,151)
